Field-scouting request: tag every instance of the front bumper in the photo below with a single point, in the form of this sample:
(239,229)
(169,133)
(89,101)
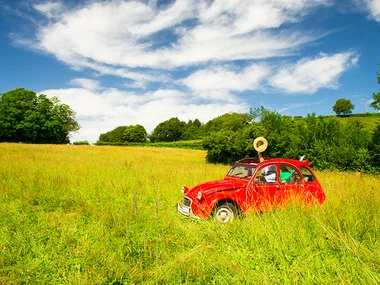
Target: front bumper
(186,211)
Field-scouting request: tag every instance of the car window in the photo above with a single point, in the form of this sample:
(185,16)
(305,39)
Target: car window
(267,174)
(308,176)
(241,171)
(289,174)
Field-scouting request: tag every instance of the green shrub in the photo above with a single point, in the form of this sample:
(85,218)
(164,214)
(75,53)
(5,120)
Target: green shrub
(81,143)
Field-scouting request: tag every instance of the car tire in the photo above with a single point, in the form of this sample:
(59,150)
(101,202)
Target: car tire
(225,213)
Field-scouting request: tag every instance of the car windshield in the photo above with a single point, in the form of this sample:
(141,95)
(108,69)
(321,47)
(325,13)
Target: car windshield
(241,171)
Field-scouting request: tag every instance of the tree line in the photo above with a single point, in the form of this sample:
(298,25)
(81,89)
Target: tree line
(326,141)
(173,130)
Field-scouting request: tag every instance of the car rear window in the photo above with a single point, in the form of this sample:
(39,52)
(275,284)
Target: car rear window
(308,176)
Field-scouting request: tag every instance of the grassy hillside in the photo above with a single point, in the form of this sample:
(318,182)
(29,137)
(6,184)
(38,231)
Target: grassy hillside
(369,120)
(106,215)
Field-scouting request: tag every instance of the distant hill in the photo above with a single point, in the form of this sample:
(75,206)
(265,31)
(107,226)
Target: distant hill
(369,120)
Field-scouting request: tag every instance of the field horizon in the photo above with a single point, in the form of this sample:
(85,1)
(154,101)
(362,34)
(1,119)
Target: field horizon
(106,215)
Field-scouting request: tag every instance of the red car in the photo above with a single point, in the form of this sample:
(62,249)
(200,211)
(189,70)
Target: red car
(251,186)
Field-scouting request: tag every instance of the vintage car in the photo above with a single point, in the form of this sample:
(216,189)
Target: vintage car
(252,186)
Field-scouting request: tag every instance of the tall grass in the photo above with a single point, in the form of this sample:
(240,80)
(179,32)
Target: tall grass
(106,215)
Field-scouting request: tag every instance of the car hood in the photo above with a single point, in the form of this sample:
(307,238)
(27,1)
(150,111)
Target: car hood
(219,185)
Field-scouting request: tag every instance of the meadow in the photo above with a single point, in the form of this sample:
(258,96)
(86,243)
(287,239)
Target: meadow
(106,215)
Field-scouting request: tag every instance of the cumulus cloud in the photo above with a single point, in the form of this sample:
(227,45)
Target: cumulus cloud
(129,33)
(310,74)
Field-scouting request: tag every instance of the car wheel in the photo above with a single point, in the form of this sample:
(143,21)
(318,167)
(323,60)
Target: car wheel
(225,212)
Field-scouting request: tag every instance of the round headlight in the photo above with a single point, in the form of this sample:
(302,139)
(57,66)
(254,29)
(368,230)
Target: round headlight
(199,196)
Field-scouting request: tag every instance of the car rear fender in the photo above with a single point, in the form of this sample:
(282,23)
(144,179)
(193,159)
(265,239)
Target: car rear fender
(314,192)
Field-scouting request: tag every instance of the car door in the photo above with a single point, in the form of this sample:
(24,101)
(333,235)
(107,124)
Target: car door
(263,190)
(291,183)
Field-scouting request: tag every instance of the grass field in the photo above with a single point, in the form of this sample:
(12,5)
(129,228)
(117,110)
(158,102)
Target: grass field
(106,215)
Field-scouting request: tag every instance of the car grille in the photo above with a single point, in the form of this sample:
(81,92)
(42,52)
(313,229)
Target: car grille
(186,201)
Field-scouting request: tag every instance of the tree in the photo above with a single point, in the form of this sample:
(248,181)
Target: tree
(114,136)
(124,134)
(343,107)
(135,134)
(376,101)
(15,108)
(228,121)
(374,147)
(376,96)
(192,130)
(26,117)
(221,147)
(168,131)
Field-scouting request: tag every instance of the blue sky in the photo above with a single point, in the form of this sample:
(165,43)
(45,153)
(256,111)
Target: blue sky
(142,62)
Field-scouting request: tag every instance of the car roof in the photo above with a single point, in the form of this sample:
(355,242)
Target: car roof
(249,160)
(295,162)
(256,161)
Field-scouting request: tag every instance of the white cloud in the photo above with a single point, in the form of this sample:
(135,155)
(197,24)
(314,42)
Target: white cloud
(308,75)
(140,79)
(227,78)
(369,7)
(128,34)
(244,16)
(50,9)
(85,83)
(373,7)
